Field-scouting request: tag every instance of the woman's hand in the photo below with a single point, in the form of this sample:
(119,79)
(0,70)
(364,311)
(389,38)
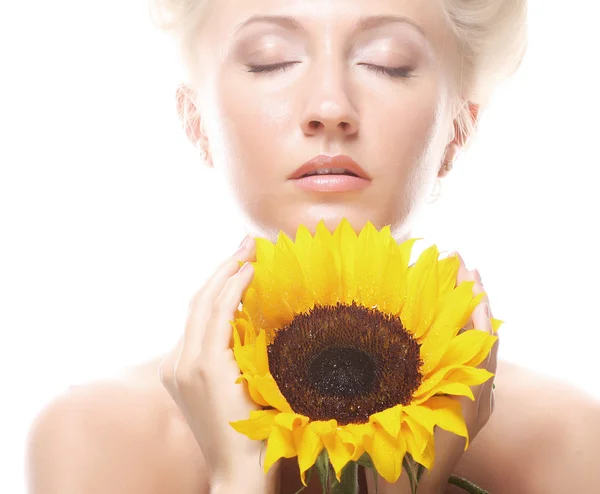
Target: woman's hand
(449,447)
(200,374)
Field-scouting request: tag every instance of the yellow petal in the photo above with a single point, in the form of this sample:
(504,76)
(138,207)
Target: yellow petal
(396,279)
(441,411)
(303,242)
(406,248)
(268,388)
(359,450)
(417,438)
(387,454)
(252,359)
(453,313)
(246,327)
(279,445)
(262,359)
(427,458)
(243,355)
(322,232)
(345,240)
(245,330)
(469,376)
(448,416)
(291,421)
(264,251)
(323,427)
(292,282)
(385,236)
(496,323)
(340,446)
(469,348)
(237,333)
(422,415)
(258,426)
(389,420)
(393,283)
(368,267)
(309,448)
(361,433)
(448,270)
(253,389)
(420,306)
(251,303)
(450,388)
(275,310)
(321,271)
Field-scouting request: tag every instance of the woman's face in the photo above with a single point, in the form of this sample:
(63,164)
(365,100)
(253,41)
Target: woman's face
(259,127)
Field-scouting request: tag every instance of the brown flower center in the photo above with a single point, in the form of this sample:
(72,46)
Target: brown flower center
(344,371)
(345,362)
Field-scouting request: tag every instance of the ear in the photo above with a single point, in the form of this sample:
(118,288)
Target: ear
(460,137)
(191,120)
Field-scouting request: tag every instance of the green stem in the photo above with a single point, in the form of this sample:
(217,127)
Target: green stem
(466,485)
(348,483)
(412,468)
(348,480)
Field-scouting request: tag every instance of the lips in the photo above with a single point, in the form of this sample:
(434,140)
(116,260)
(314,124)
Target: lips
(323,165)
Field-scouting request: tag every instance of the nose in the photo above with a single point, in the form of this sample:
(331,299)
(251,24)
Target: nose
(329,109)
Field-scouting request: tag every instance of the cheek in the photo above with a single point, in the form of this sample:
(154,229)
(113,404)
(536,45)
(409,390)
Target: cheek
(407,129)
(415,114)
(409,143)
(252,128)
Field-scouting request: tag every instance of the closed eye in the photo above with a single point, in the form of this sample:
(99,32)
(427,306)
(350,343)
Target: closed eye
(390,71)
(270,68)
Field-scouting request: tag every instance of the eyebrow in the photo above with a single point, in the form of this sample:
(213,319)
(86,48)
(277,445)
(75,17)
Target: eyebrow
(362,24)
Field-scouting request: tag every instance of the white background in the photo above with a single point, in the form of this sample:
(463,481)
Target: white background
(108,223)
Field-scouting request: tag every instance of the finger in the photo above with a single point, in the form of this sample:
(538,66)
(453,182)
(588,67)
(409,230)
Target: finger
(462,276)
(218,334)
(479,410)
(166,373)
(167,364)
(481,317)
(469,275)
(486,400)
(230,264)
(203,302)
(462,270)
(482,320)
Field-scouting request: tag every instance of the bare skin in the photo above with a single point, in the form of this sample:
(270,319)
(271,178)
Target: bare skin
(129,436)
(137,437)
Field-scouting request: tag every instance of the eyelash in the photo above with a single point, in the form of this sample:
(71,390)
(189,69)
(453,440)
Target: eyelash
(394,72)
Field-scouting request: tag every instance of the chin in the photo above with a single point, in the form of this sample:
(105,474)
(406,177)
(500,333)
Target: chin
(332,217)
(288,219)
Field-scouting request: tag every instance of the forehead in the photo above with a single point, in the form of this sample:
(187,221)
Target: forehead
(325,17)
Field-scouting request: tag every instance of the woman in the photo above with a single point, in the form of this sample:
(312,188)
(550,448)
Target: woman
(398,86)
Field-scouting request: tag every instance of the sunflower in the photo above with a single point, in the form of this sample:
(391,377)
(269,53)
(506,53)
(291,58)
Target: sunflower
(350,349)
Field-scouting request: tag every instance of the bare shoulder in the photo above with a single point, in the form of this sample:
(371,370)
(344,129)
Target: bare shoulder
(542,437)
(117,435)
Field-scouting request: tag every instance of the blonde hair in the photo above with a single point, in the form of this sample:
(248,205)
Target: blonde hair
(492,35)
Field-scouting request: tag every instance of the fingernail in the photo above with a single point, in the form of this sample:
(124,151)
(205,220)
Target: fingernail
(455,253)
(246,267)
(243,244)
(488,311)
